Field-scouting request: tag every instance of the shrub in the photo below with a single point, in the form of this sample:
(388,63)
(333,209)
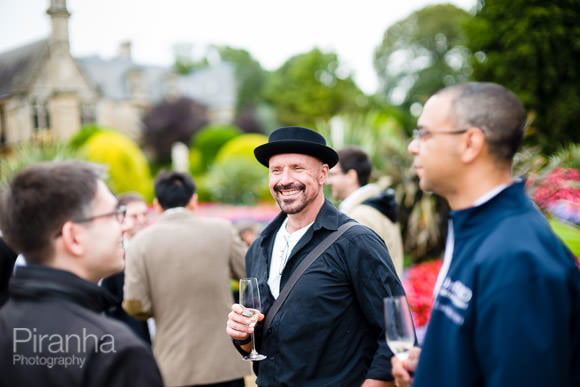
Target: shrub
(235,176)
(241,146)
(195,166)
(128,167)
(210,139)
(84,134)
(237,180)
(32,152)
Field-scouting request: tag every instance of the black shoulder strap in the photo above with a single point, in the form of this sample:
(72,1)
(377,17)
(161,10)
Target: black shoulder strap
(310,258)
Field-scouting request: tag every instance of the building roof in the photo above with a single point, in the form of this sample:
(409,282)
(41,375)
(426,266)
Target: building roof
(17,67)
(111,77)
(213,86)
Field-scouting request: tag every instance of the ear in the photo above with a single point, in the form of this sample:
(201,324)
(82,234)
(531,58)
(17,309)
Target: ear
(192,204)
(71,239)
(473,146)
(323,173)
(353,176)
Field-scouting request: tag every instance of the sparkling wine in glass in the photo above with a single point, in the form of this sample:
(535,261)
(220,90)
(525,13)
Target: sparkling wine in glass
(399,328)
(250,299)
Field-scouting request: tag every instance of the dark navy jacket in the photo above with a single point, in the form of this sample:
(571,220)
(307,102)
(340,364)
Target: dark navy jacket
(53,333)
(508,312)
(330,330)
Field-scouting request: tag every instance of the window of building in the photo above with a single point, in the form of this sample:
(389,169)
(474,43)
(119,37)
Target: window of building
(88,114)
(40,116)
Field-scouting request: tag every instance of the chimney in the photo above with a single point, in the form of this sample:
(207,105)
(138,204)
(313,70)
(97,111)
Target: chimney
(125,49)
(59,15)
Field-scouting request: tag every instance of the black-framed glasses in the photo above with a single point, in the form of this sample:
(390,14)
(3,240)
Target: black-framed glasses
(119,214)
(421,134)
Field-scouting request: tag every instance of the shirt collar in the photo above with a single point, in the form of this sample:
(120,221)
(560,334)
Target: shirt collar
(493,193)
(355,197)
(328,218)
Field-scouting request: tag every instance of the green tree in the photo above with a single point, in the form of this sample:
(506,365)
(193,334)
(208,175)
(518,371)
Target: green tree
(422,54)
(250,76)
(531,47)
(310,87)
(185,62)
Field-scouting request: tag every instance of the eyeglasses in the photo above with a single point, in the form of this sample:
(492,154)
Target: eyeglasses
(421,134)
(119,214)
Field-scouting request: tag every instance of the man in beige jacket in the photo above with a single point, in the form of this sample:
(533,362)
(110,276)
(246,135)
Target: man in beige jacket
(366,203)
(178,272)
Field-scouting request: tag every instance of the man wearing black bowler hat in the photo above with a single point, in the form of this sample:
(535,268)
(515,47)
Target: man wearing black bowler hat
(330,329)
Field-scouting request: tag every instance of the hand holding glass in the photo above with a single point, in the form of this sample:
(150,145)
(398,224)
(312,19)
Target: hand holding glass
(399,328)
(250,299)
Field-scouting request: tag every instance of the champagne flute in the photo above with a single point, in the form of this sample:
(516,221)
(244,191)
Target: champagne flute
(250,299)
(399,328)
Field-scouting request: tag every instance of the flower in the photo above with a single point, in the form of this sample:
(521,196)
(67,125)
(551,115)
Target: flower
(558,194)
(419,282)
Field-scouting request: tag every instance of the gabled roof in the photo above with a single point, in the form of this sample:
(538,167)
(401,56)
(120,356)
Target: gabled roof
(111,77)
(213,86)
(17,67)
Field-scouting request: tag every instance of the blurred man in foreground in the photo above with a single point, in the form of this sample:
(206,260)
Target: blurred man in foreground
(64,219)
(507,307)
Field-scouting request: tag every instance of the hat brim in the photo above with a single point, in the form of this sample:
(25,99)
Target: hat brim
(323,153)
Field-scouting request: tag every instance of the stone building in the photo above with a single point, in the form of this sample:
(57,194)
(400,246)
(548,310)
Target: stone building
(44,90)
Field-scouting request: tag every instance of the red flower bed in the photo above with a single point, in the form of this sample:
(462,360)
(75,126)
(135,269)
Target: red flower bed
(419,282)
(562,184)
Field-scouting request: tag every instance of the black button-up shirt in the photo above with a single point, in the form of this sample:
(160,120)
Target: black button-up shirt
(330,330)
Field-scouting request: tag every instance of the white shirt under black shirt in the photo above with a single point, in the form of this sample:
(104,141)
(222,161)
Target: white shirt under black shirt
(283,246)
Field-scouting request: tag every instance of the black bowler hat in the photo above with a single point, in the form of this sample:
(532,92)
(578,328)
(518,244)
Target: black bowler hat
(295,139)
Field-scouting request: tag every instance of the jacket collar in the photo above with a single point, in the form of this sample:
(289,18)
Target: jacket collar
(328,218)
(510,201)
(36,281)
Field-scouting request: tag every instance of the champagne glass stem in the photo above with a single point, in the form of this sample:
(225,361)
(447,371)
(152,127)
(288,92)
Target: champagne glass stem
(253,344)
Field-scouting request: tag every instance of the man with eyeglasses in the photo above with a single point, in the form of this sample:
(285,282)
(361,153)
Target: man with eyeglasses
(67,223)
(507,307)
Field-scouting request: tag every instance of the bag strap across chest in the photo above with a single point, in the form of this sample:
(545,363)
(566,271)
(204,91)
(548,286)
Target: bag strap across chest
(305,264)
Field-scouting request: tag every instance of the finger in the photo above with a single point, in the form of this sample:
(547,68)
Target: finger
(240,324)
(234,334)
(239,309)
(402,378)
(238,331)
(410,364)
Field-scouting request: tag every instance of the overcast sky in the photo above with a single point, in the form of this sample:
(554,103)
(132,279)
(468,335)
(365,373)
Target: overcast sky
(271,30)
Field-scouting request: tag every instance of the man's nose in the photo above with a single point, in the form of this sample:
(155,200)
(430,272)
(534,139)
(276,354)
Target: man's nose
(126,225)
(413,146)
(285,177)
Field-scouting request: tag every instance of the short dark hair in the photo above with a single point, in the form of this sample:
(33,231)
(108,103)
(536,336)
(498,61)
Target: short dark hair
(174,189)
(130,197)
(495,110)
(41,198)
(352,157)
